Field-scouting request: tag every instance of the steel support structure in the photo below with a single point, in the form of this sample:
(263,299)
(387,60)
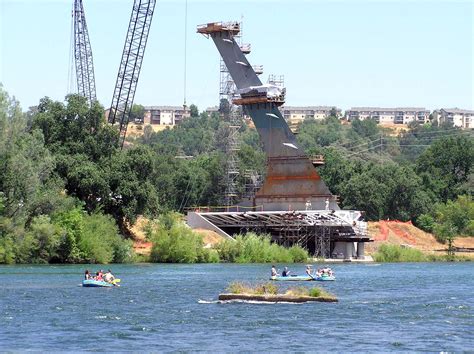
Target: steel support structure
(130,65)
(83,55)
(315,230)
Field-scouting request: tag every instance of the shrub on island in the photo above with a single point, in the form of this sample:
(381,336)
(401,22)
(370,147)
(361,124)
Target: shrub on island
(269,292)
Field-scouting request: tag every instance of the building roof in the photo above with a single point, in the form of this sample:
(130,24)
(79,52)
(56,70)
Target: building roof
(165,108)
(457,110)
(307,108)
(385,109)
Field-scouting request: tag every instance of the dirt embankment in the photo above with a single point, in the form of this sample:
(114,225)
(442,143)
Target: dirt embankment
(143,247)
(406,234)
(140,244)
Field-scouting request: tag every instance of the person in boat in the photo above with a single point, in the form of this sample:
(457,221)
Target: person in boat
(98,276)
(274,272)
(327,272)
(319,272)
(109,277)
(309,271)
(285,272)
(87,275)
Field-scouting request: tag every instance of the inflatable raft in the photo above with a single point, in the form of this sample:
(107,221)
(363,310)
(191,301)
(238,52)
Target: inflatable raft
(303,278)
(96,283)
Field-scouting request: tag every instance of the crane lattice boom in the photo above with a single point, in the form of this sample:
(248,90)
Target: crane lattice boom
(130,65)
(83,55)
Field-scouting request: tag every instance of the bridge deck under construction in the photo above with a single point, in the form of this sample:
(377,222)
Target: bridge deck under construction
(316,230)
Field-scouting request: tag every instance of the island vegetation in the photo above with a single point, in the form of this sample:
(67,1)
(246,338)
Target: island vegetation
(269,292)
(68,193)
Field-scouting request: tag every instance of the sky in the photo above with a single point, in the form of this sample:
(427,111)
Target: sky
(342,53)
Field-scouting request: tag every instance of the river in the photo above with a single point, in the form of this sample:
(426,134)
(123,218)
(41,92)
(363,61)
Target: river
(165,307)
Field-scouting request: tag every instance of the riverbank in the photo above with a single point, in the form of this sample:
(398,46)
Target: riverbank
(406,235)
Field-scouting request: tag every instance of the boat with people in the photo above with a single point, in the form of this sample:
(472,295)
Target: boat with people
(322,274)
(303,278)
(96,283)
(101,279)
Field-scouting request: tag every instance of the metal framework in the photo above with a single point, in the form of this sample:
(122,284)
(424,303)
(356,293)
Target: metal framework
(315,230)
(83,55)
(130,65)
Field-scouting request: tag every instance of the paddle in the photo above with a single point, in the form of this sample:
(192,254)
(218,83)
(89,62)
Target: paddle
(309,273)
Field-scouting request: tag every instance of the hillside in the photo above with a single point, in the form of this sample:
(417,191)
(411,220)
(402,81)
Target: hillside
(405,233)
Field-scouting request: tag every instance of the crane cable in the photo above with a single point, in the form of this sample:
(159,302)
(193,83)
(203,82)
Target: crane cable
(70,74)
(185,49)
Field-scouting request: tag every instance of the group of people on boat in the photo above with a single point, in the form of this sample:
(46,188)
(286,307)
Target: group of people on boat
(324,272)
(100,276)
(321,272)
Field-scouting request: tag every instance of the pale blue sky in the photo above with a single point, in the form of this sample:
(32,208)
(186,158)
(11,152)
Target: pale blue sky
(343,53)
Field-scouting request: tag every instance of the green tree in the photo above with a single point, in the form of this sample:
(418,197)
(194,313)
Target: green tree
(194,111)
(446,165)
(366,128)
(137,113)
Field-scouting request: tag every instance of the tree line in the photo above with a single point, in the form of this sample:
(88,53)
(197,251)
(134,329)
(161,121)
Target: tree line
(62,175)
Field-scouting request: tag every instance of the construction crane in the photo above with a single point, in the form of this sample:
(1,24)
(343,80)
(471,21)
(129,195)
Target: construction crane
(83,55)
(130,65)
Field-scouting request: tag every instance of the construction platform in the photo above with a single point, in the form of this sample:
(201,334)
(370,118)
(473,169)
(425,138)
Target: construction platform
(337,234)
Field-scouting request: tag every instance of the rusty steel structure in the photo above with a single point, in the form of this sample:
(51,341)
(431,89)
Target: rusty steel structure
(291,178)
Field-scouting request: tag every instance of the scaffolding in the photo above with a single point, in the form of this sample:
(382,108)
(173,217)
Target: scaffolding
(277,80)
(252,183)
(227,92)
(315,230)
(322,241)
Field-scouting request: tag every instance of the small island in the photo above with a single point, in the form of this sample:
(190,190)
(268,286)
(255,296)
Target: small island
(268,292)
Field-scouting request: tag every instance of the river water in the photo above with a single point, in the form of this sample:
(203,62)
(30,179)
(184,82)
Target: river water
(160,307)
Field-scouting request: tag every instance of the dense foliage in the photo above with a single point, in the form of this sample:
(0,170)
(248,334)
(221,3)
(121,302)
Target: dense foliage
(175,242)
(451,219)
(51,183)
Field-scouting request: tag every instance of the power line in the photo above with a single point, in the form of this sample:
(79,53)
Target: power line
(369,142)
(70,72)
(358,152)
(185,48)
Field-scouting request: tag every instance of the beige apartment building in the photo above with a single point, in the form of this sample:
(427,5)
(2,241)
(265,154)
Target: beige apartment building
(165,115)
(399,115)
(462,118)
(295,114)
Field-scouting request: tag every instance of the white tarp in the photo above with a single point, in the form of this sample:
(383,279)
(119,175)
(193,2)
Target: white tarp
(270,90)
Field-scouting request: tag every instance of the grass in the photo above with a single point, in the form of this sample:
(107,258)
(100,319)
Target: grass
(253,248)
(259,289)
(395,253)
(271,289)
